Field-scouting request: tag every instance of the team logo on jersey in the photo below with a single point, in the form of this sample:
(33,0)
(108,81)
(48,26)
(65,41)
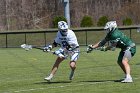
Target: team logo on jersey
(63,39)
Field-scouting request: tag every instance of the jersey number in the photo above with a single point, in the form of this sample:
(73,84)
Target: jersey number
(65,44)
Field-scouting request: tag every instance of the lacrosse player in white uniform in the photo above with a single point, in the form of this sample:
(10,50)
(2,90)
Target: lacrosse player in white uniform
(67,39)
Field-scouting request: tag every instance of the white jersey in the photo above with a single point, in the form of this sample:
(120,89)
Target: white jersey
(69,45)
(69,40)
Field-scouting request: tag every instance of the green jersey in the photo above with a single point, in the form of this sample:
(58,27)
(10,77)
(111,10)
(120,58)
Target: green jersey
(121,40)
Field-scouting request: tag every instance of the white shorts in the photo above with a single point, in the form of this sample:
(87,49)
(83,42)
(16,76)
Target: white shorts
(74,55)
(127,54)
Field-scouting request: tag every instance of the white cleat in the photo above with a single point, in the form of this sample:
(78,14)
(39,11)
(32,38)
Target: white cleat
(71,75)
(127,80)
(49,78)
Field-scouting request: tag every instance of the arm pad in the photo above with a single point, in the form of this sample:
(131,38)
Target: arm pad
(102,42)
(55,44)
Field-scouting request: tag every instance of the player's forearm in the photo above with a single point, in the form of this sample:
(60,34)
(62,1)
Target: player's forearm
(95,45)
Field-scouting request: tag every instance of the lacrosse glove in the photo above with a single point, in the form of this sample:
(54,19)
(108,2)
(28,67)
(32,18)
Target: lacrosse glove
(89,48)
(47,48)
(60,53)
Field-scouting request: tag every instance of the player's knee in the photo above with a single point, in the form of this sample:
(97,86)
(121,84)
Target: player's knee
(73,65)
(125,60)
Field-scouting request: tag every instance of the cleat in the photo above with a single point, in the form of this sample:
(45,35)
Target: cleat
(127,80)
(49,78)
(71,75)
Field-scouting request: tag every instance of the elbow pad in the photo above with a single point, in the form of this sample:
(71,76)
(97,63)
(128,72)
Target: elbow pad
(102,42)
(54,43)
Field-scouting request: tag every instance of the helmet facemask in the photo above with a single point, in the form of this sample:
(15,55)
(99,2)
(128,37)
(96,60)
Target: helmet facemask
(63,27)
(64,32)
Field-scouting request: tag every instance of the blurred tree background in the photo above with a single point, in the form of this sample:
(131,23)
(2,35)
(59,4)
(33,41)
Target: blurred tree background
(40,14)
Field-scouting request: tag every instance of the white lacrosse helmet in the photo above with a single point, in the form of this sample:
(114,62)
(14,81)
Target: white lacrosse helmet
(110,26)
(63,27)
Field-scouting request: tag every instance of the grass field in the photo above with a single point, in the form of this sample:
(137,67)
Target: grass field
(24,71)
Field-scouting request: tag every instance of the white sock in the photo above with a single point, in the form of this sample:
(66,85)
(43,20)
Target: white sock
(51,75)
(128,76)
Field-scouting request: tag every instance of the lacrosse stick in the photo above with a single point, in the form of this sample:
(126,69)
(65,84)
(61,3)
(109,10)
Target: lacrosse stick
(30,47)
(103,48)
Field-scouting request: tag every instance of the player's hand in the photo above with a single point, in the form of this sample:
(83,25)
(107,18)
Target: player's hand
(47,48)
(89,48)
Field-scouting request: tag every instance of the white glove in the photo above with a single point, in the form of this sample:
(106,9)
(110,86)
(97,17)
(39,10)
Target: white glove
(89,48)
(26,47)
(59,53)
(47,48)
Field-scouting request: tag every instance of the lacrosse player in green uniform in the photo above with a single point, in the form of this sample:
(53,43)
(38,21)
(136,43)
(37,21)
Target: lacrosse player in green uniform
(117,39)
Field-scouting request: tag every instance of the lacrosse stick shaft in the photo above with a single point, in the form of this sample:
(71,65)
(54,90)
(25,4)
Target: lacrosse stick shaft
(41,49)
(38,48)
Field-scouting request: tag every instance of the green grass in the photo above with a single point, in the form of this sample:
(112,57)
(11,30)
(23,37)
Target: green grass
(23,72)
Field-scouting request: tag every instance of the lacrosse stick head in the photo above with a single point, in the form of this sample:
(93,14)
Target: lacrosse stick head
(26,47)
(89,49)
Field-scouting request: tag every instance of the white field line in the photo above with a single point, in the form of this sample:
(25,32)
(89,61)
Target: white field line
(55,87)
(27,90)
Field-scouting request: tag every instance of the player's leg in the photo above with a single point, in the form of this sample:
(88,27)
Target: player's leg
(125,62)
(74,58)
(120,57)
(128,77)
(54,68)
(126,58)
(73,67)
